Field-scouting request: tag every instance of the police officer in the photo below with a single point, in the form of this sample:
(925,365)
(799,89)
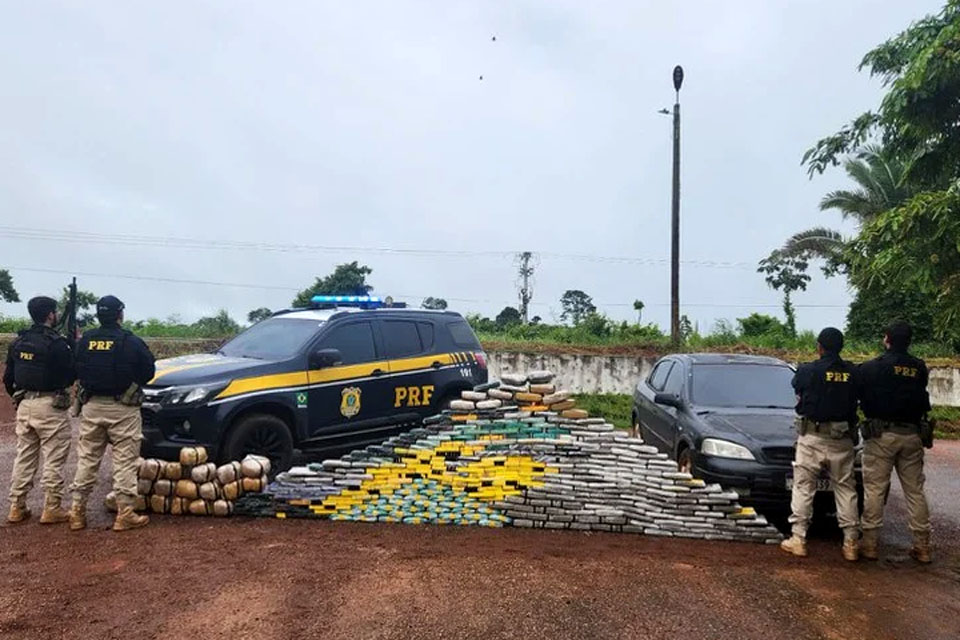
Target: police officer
(112,364)
(39,369)
(893,394)
(826,422)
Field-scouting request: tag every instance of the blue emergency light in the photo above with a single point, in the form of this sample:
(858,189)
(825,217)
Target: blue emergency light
(367,302)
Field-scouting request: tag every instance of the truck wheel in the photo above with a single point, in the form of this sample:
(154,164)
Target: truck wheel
(261,434)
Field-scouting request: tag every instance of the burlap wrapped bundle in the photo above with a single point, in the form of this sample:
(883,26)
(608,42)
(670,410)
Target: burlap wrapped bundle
(144,487)
(222,508)
(179,506)
(159,504)
(209,491)
(228,473)
(110,502)
(204,473)
(150,469)
(140,504)
(193,456)
(187,489)
(255,485)
(173,471)
(574,414)
(201,508)
(233,490)
(255,466)
(165,488)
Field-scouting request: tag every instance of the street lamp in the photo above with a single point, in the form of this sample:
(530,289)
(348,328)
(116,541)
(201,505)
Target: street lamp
(675,215)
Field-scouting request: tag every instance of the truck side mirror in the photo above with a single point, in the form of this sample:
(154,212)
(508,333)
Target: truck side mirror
(669,400)
(322,358)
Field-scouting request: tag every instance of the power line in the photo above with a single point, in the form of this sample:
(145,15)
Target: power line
(168,242)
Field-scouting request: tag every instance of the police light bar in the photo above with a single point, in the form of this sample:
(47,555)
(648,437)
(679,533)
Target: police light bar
(348,301)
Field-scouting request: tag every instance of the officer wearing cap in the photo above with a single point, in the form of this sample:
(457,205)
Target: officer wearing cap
(39,370)
(826,421)
(894,398)
(112,365)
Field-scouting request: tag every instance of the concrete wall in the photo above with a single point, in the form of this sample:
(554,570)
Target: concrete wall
(619,374)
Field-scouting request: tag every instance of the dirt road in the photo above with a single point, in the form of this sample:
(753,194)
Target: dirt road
(201,578)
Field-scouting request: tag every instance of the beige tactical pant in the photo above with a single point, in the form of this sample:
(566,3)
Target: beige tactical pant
(903,452)
(40,429)
(815,453)
(106,421)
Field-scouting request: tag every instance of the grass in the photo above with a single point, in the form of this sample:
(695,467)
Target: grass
(617,407)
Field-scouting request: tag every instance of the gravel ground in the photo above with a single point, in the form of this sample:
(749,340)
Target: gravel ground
(202,578)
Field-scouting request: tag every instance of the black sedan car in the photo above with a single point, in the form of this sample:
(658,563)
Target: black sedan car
(726,419)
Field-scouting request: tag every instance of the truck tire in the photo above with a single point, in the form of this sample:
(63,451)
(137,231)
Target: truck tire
(262,434)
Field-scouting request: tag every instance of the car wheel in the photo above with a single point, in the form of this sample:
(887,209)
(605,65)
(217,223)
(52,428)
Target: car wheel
(685,461)
(263,435)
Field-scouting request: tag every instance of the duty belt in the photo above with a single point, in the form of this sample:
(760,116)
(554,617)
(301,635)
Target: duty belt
(824,428)
(908,428)
(30,395)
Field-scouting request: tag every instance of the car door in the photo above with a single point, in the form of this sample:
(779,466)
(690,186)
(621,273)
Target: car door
(407,344)
(667,427)
(650,414)
(354,395)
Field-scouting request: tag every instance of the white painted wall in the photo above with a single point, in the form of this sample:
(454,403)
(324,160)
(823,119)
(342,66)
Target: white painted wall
(619,374)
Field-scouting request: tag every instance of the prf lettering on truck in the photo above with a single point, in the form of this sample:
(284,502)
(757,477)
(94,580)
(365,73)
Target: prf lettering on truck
(413,396)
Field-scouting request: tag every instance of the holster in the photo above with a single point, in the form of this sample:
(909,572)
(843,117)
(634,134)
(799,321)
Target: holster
(61,399)
(17,397)
(871,429)
(79,400)
(801,425)
(132,397)
(927,427)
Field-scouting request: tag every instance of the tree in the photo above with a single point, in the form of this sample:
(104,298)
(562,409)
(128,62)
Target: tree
(638,307)
(760,324)
(788,274)
(438,304)
(85,300)
(349,279)
(7,291)
(508,317)
(874,308)
(256,315)
(576,305)
(686,328)
(217,326)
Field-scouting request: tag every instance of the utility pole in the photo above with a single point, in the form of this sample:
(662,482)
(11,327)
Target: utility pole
(526,292)
(675,216)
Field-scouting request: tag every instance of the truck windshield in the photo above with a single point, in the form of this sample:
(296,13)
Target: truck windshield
(743,385)
(272,339)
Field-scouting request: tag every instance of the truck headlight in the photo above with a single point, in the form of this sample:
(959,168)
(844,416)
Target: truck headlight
(725,449)
(193,394)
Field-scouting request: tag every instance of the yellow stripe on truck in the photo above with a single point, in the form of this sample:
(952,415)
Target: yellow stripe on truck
(260,383)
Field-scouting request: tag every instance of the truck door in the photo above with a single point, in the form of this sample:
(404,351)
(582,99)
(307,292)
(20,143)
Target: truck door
(416,376)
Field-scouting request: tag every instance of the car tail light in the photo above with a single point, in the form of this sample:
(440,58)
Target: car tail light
(481,359)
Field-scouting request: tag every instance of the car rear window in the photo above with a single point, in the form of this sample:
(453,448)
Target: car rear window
(463,335)
(743,385)
(426,334)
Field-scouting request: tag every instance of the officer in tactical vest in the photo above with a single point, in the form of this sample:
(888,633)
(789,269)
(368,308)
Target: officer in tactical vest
(893,395)
(112,365)
(38,372)
(826,422)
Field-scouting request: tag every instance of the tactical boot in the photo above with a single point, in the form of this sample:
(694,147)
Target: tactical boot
(795,545)
(127,519)
(18,512)
(868,544)
(851,549)
(78,516)
(921,551)
(53,513)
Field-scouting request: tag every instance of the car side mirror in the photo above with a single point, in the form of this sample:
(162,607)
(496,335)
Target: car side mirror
(669,400)
(322,358)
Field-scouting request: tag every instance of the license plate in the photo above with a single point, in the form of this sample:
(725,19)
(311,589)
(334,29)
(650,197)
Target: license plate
(823,484)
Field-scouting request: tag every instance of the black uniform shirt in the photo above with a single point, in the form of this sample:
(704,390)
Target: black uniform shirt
(110,358)
(894,387)
(38,360)
(826,390)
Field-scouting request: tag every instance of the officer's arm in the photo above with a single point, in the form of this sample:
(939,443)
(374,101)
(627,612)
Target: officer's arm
(8,373)
(62,357)
(145,369)
(924,379)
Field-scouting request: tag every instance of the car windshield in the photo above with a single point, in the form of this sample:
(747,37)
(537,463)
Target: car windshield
(743,385)
(272,339)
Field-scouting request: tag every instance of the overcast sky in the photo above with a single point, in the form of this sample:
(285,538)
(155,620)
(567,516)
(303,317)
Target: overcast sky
(366,124)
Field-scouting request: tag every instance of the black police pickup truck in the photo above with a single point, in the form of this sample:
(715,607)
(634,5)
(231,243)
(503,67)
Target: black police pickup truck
(344,374)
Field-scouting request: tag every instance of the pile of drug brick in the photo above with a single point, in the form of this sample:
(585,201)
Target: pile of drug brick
(195,486)
(528,460)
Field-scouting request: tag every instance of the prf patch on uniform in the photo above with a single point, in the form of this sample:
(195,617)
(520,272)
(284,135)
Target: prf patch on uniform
(838,376)
(26,356)
(413,396)
(906,372)
(100,345)
(350,402)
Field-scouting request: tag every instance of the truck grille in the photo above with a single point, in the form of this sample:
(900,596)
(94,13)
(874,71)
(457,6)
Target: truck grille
(779,455)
